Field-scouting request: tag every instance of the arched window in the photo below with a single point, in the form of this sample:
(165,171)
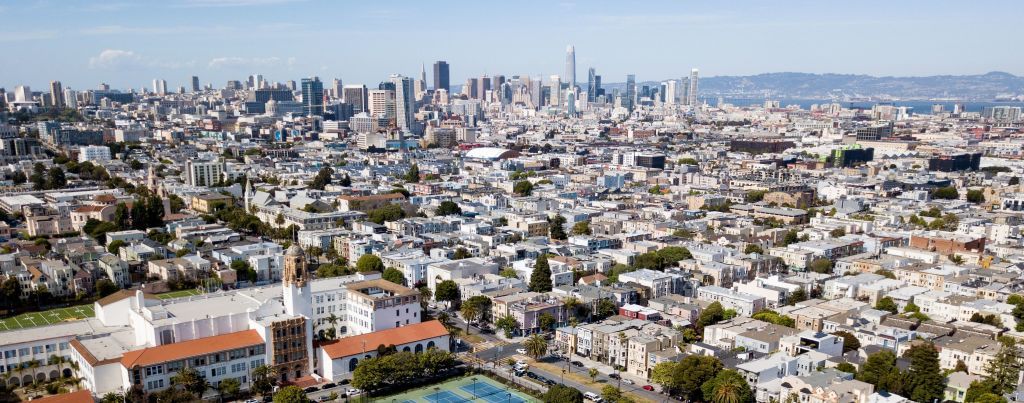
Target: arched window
(419,348)
(352,364)
(405,349)
(430,345)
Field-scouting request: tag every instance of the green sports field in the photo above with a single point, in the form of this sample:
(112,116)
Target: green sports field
(178,294)
(57,315)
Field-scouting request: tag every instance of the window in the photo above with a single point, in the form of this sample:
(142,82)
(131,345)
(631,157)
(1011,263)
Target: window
(23,352)
(218,371)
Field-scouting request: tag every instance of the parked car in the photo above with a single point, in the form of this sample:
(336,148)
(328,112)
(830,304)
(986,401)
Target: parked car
(324,399)
(311,389)
(532,375)
(649,388)
(252,401)
(577,364)
(614,375)
(628,382)
(328,386)
(521,351)
(344,382)
(353,391)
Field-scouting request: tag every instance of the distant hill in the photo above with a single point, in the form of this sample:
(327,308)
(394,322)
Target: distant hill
(986,87)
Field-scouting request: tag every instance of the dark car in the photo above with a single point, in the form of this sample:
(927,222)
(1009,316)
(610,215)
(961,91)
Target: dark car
(310,389)
(344,382)
(577,364)
(328,386)
(614,376)
(548,382)
(532,375)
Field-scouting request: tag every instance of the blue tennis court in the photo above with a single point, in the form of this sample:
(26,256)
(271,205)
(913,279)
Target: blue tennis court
(445,396)
(490,393)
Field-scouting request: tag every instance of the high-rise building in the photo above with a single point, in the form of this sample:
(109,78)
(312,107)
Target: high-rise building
(337,88)
(570,66)
(405,102)
(591,87)
(441,76)
(355,95)
(57,94)
(556,91)
(312,96)
(483,85)
(195,83)
(691,92)
(159,86)
(630,99)
(470,88)
(382,103)
(670,92)
(70,98)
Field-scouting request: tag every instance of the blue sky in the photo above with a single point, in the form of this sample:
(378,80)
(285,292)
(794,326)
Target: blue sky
(127,43)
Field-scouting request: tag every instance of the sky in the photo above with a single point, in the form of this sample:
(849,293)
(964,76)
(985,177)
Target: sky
(128,43)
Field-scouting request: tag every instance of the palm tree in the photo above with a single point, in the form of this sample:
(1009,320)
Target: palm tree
(571,304)
(263,379)
(536,346)
(469,313)
(727,392)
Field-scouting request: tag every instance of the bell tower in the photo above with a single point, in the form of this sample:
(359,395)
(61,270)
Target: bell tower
(298,300)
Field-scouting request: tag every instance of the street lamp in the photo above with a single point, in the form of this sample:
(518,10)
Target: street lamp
(436,391)
(474,388)
(563,377)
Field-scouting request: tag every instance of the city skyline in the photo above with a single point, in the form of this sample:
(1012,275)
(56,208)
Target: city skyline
(83,44)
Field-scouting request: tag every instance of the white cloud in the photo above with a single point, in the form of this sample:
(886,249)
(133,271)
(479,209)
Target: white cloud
(119,59)
(112,58)
(234,61)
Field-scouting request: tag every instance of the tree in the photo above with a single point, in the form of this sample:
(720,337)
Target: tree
(122,217)
(798,296)
(771,316)
(837,233)
(791,237)
(673,254)
(727,386)
(593,374)
(926,382)
(447,291)
(948,193)
(753,248)
(536,346)
(976,196)
(394,275)
(413,174)
(546,322)
(581,228)
(686,377)
(190,380)
(390,212)
(612,394)
(483,306)
(846,367)
(887,304)
(263,379)
(523,188)
(754,196)
(229,387)
(1003,368)
(878,370)
(556,228)
(322,179)
(821,265)
(368,263)
(507,324)
(461,253)
(55,178)
(470,313)
(710,315)
(850,342)
(290,394)
(448,208)
(540,278)
(563,394)
(508,272)
(115,246)
(105,287)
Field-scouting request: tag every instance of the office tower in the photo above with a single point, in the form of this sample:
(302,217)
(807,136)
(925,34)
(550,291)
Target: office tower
(597,86)
(405,102)
(591,88)
(570,102)
(233,85)
(470,88)
(195,84)
(355,95)
(255,80)
(382,103)
(337,88)
(691,92)
(556,91)
(570,66)
(57,94)
(483,85)
(423,72)
(312,96)
(160,87)
(630,99)
(441,75)
(670,91)
(291,85)
(70,98)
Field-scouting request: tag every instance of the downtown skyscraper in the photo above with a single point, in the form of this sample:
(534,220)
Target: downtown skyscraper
(570,66)
(691,91)
(441,76)
(630,99)
(312,96)
(195,83)
(56,94)
(405,102)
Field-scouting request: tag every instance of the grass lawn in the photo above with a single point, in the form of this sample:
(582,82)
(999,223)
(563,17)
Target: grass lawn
(463,389)
(178,294)
(56,315)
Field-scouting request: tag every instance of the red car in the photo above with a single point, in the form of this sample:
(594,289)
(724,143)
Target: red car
(649,388)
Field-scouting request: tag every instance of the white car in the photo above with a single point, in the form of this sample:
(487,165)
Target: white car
(628,382)
(353,391)
(521,351)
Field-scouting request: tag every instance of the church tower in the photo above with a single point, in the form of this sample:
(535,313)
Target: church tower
(298,299)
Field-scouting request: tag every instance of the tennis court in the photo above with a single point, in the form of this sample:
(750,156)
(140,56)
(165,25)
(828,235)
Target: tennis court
(467,389)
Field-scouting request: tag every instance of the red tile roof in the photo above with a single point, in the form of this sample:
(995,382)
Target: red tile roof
(81,396)
(191,348)
(398,336)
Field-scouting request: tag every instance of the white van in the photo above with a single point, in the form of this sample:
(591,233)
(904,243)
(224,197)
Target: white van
(593,397)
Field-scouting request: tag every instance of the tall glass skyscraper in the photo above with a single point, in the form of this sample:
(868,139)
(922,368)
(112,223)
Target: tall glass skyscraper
(691,93)
(405,102)
(591,87)
(312,96)
(570,66)
(441,77)
(630,100)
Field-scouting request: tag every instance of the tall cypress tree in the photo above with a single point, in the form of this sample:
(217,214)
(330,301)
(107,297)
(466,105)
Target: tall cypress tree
(540,279)
(926,383)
